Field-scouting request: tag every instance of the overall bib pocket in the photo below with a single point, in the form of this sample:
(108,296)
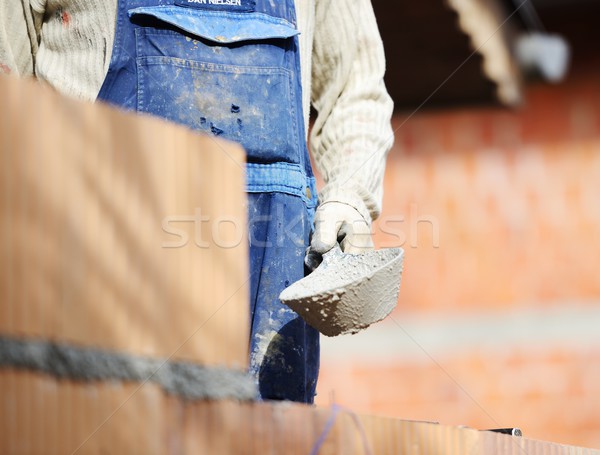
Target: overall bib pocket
(223,73)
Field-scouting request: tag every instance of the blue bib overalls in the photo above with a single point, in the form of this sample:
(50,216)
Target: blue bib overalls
(231,68)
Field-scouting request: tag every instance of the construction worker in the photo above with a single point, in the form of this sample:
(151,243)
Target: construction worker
(244,70)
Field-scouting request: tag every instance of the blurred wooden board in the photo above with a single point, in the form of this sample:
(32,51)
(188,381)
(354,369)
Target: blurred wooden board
(95,208)
(42,416)
(442,54)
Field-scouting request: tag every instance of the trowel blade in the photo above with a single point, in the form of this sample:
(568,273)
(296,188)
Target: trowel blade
(348,292)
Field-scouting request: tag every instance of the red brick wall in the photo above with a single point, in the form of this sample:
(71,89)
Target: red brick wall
(499,214)
(515,197)
(550,395)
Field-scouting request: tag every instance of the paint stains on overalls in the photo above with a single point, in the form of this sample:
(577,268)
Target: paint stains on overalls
(231,68)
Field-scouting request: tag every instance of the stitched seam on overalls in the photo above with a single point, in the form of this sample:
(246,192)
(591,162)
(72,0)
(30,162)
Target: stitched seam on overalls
(298,190)
(213,67)
(233,15)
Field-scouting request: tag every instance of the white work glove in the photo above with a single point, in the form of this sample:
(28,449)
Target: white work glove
(336,222)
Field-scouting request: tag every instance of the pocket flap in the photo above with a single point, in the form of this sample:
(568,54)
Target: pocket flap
(220,26)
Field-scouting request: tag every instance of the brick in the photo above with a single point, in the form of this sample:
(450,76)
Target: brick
(504,204)
(541,394)
(85,251)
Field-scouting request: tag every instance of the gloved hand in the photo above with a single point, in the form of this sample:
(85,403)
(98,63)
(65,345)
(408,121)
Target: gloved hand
(336,222)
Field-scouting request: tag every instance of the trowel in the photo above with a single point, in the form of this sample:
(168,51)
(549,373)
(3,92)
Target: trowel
(347,293)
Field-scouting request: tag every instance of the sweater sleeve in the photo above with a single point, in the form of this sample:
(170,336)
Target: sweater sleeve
(19,34)
(352,133)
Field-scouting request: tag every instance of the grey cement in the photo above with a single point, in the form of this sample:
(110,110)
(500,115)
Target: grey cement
(186,380)
(348,292)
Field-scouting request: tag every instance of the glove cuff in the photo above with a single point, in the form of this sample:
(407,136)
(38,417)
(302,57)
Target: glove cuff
(346,197)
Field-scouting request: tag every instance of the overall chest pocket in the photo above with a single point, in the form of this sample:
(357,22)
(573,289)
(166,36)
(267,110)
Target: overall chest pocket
(226,74)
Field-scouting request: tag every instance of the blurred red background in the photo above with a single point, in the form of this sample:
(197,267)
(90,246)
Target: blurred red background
(498,322)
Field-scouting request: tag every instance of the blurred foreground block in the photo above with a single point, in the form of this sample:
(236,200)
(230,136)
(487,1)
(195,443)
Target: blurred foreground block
(128,419)
(119,232)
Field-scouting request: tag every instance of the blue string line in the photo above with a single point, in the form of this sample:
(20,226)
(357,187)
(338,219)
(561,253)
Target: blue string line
(335,410)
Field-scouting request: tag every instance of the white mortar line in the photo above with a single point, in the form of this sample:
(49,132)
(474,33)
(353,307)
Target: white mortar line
(567,325)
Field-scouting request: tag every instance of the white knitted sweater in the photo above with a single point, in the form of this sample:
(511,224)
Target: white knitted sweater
(68,43)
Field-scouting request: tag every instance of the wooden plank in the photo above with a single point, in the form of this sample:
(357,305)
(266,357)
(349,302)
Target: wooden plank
(484,21)
(93,200)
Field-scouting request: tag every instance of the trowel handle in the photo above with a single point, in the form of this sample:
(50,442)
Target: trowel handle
(312,260)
